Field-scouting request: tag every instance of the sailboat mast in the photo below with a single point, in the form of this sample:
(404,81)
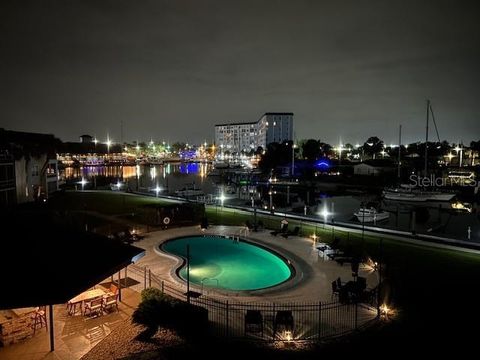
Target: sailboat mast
(399,148)
(426,138)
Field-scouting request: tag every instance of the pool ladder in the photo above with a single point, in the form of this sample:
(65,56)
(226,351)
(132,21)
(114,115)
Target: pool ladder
(236,237)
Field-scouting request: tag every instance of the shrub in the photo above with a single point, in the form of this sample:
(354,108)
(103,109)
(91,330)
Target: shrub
(151,293)
(157,309)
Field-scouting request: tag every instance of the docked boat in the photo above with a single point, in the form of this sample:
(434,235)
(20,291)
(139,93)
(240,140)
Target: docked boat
(462,206)
(371,215)
(118,186)
(413,194)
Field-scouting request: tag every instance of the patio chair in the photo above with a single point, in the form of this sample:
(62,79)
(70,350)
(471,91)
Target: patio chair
(73,307)
(254,322)
(113,290)
(295,232)
(282,230)
(94,306)
(110,301)
(335,289)
(39,318)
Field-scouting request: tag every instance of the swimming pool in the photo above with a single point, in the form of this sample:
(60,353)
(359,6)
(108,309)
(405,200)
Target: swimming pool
(223,263)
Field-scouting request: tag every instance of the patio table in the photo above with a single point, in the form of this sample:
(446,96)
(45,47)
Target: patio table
(81,298)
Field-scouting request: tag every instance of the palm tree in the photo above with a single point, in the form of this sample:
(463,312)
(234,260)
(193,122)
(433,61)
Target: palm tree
(373,146)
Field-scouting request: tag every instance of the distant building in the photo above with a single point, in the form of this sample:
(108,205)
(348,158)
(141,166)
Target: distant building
(86,139)
(274,127)
(34,165)
(247,136)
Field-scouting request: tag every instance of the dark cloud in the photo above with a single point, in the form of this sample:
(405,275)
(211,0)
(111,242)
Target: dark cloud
(172,69)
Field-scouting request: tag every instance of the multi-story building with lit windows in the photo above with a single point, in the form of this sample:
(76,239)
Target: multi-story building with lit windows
(247,136)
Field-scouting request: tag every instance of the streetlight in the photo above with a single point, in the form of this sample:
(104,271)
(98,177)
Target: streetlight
(271,192)
(157,190)
(109,142)
(459,151)
(294,146)
(450,156)
(83,182)
(325,215)
(340,148)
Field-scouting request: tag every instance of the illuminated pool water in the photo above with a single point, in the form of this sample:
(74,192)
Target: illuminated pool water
(222,263)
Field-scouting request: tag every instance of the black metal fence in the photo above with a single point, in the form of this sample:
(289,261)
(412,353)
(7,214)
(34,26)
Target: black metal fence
(312,321)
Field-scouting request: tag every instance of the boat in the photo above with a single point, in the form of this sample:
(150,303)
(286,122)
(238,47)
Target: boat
(410,193)
(407,192)
(462,206)
(371,215)
(461,177)
(118,186)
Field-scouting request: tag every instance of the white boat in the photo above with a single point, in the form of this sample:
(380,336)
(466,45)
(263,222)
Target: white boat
(371,215)
(462,206)
(408,193)
(118,186)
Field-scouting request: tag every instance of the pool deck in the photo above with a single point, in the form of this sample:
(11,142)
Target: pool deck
(311,283)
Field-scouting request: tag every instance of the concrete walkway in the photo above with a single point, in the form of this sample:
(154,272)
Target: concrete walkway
(314,273)
(74,335)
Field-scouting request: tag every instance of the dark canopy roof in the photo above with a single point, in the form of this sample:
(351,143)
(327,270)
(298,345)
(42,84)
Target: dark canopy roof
(44,262)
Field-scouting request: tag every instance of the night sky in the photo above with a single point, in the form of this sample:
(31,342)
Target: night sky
(170,70)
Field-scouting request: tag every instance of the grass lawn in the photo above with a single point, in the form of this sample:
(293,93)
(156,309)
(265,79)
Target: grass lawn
(108,203)
(432,288)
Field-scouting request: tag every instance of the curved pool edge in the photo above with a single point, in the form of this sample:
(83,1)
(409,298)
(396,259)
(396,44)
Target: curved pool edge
(291,260)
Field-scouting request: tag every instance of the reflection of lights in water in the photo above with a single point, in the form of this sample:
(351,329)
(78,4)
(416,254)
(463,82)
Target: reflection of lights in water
(129,172)
(153,172)
(189,168)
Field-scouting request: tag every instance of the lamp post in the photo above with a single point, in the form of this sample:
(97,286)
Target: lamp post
(270,193)
(459,151)
(294,146)
(83,182)
(325,215)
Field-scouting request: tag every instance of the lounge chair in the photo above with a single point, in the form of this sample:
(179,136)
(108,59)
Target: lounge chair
(282,230)
(254,322)
(295,232)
